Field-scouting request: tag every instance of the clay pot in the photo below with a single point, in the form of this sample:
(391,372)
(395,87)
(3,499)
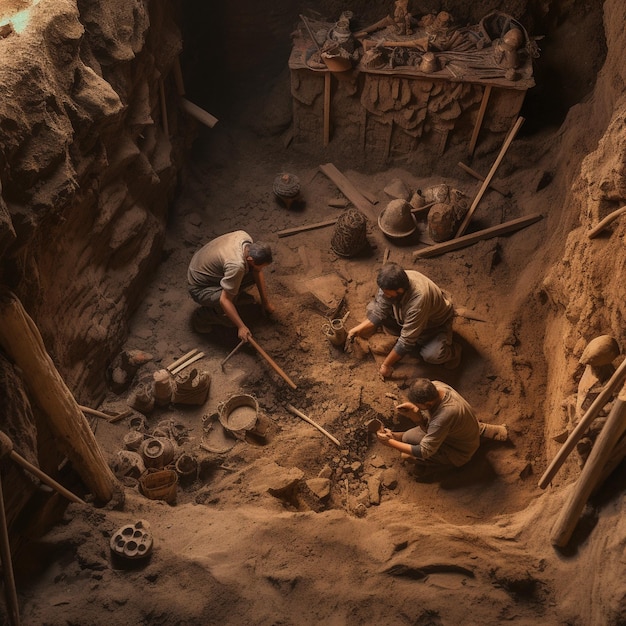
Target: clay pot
(396,220)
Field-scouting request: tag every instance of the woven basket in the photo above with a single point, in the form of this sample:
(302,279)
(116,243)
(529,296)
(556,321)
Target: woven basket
(239,413)
(159,485)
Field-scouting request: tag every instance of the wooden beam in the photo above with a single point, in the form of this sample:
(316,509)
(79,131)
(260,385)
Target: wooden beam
(479,120)
(21,340)
(198,113)
(468,240)
(350,191)
(300,229)
(492,171)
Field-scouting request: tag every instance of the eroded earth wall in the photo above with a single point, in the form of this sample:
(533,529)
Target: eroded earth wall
(87,169)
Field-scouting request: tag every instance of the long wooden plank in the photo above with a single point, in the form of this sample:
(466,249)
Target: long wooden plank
(300,229)
(350,191)
(468,240)
(492,171)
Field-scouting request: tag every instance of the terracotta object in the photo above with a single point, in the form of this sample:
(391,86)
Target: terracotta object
(396,219)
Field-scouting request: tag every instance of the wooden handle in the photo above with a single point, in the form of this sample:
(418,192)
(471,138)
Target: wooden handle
(273,364)
(306,418)
(232,352)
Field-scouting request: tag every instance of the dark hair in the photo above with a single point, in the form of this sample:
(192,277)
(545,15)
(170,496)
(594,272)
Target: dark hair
(392,276)
(422,391)
(260,252)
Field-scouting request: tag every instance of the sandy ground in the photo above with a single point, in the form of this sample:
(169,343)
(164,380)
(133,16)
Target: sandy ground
(231,552)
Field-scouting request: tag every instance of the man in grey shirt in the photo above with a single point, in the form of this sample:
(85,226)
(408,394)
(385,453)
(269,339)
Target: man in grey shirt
(447,431)
(413,307)
(217,275)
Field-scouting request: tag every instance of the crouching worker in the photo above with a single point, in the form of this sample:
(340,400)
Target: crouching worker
(218,275)
(446,431)
(413,308)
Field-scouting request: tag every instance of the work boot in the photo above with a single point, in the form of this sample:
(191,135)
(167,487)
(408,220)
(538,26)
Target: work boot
(455,360)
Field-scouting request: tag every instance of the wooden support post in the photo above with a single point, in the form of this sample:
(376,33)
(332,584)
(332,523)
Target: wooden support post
(601,452)
(327,76)
(178,77)
(10,591)
(585,421)
(479,120)
(22,341)
(468,240)
(492,171)
(164,120)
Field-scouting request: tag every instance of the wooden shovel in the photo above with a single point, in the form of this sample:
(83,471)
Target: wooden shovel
(273,364)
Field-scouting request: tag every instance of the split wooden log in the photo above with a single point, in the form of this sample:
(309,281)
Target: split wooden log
(300,229)
(468,240)
(601,452)
(204,117)
(21,339)
(492,171)
(306,418)
(585,421)
(478,176)
(272,363)
(596,230)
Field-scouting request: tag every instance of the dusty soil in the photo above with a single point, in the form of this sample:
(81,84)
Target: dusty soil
(242,544)
(258,552)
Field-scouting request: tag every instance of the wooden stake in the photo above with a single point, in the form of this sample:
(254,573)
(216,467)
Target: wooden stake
(306,418)
(492,171)
(273,364)
(585,421)
(601,452)
(326,108)
(350,191)
(468,240)
(479,120)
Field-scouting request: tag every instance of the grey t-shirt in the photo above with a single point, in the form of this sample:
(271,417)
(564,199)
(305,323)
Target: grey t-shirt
(221,263)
